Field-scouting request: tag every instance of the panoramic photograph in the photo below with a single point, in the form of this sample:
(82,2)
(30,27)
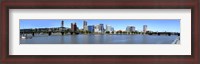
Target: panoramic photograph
(99,31)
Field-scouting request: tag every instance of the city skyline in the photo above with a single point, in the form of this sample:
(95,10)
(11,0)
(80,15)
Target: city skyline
(159,25)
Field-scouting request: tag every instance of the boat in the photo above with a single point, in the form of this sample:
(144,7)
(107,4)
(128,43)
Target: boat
(23,37)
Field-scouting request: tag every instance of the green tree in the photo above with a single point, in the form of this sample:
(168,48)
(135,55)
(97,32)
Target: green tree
(107,32)
(132,32)
(120,32)
(113,32)
(86,31)
(124,32)
(89,32)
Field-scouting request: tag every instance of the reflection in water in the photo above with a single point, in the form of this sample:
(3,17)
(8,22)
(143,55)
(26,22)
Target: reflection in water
(62,40)
(100,39)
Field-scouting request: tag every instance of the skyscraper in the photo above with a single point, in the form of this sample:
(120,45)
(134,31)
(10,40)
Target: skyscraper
(145,28)
(101,28)
(85,27)
(130,28)
(97,28)
(62,24)
(109,28)
(112,29)
(73,27)
(91,28)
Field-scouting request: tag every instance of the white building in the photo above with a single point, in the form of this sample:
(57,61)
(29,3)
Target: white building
(145,28)
(85,27)
(130,28)
(97,28)
(109,28)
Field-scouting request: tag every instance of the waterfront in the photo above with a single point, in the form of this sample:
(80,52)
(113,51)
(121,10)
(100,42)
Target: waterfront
(100,39)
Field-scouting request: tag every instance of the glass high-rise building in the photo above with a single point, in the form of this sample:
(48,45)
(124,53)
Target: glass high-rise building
(62,26)
(62,23)
(85,27)
(145,28)
(109,28)
(130,28)
(102,28)
(91,28)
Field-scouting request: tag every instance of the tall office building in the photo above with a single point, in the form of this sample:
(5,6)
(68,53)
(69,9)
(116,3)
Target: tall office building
(109,28)
(145,28)
(91,28)
(101,28)
(73,27)
(62,24)
(85,27)
(97,28)
(130,28)
(112,29)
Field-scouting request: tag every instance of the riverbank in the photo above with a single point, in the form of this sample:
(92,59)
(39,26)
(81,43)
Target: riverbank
(176,41)
(99,39)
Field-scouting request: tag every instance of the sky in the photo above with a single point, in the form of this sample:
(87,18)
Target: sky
(160,25)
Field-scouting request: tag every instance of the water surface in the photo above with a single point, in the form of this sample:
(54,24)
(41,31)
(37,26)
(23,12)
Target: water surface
(100,39)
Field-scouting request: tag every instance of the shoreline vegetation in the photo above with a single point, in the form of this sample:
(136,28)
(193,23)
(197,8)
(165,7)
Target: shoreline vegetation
(49,33)
(31,33)
(30,36)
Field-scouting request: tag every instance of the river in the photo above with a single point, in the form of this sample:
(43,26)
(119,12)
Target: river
(99,39)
